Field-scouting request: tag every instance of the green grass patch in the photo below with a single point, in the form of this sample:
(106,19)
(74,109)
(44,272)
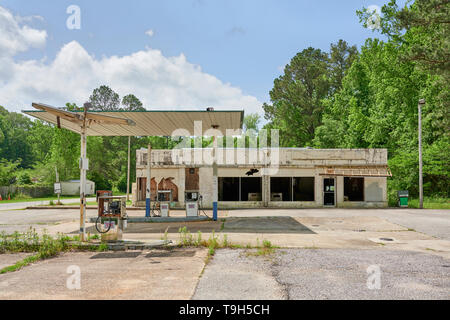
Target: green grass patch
(266,249)
(430,203)
(43,246)
(186,239)
(28,199)
(20,264)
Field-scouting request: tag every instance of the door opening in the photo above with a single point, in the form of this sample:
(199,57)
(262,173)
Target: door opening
(329,192)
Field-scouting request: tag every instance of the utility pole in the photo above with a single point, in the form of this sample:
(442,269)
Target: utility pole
(421,103)
(128,172)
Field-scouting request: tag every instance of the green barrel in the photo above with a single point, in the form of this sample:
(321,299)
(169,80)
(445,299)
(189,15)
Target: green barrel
(403,198)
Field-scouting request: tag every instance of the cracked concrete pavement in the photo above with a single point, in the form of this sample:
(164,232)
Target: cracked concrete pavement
(310,268)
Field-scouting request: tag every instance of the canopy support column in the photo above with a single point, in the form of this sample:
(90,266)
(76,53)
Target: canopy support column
(215,180)
(128,170)
(83,168)
(148,191)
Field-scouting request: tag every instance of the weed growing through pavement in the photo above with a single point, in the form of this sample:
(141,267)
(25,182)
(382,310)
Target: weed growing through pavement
(42,246)
(165,237)
(264,248)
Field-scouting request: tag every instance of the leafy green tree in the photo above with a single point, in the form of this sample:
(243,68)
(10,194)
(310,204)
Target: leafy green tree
(24,178)
(342,57)
(297,97)
(64,155)
(15,128)
(423,26)
(252,121)
(8,172)
(132,103)
(38,139)
(377,106)
(104,98)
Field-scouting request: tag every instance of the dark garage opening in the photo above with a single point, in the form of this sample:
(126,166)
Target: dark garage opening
(251,185)
(303,188)
(280,189)
(228,189)
(353,189)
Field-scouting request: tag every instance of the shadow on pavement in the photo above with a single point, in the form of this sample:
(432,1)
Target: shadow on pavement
(265,225)
(230,225)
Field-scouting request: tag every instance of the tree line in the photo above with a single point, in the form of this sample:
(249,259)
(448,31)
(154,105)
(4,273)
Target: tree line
(343,98)
(368,98)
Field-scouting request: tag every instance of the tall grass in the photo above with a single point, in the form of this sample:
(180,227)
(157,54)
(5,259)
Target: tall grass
(43,247)
(430,203)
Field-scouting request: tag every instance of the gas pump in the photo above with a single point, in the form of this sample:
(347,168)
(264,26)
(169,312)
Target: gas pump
(191,199)
(112,216)
(164,199)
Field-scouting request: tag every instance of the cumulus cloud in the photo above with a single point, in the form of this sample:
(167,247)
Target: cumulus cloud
(15,37)
(159,81)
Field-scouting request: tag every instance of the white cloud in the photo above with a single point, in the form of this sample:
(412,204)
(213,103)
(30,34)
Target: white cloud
(160,82)
(150,33)
(28,19)
(15,37)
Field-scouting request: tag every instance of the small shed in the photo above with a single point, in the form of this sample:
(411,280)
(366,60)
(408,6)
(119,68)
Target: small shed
(72,187)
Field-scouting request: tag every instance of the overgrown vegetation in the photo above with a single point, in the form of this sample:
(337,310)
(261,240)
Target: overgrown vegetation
(186,239)
(430,203)
(340,98)
(42,246)
(347,98)
(265,249)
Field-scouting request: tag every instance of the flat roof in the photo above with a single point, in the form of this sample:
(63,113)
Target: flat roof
(151,122)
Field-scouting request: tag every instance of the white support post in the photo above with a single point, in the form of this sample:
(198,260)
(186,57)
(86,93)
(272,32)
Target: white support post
(215,179)
(128,170)
(148,187)
(83,166)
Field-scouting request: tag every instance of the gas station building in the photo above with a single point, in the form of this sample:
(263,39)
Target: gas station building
(273,178)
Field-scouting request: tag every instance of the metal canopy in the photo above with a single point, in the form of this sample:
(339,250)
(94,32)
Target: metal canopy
(140,123)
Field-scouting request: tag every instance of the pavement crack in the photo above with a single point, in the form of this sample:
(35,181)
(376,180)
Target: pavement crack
(275,273)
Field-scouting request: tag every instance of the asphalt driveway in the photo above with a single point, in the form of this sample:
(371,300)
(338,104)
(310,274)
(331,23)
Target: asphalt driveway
(322,274)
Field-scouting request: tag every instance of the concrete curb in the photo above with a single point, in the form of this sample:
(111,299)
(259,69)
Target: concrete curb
(123,245)
(74,207)
(159,219)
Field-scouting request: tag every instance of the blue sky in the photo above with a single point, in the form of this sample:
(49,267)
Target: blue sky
(244,44)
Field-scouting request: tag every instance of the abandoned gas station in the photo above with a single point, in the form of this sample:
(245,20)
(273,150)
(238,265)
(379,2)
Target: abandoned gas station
(299,178)
(219,177)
